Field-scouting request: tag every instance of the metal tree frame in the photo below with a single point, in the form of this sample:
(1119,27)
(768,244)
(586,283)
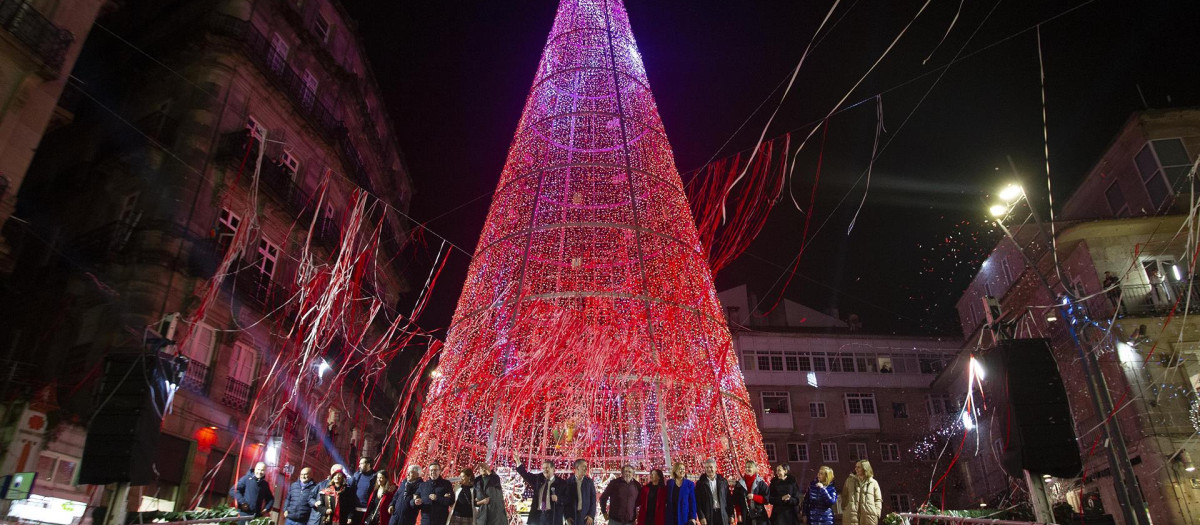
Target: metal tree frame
(588,325)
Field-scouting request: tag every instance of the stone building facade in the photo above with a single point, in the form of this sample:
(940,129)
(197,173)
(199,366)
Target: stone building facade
(39,42)
(134,198)
(826,395)
(1126,217)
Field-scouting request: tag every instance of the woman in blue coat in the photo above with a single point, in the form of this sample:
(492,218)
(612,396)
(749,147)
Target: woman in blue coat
(681,498)
(820,499)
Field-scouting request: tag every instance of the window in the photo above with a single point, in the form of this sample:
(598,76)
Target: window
(900,410)
(934,364)
(128,212)
(200,344)
(1116,199)
(904,363)
(816,409)
(797,452)
(841,363)
(857,404)
(257,130)
(279,52)
(1161,163)
(805,362)
(242,363)
(56,469)
(747,361)
(776,402)
(770,448)
(290,163)
(829,452)
(858,451)
(791,362)
(268,255)
(866,363)
(889,452)
(819,362)
(900,503)
(940,404)
(321,27)
(227,226)
(310,89)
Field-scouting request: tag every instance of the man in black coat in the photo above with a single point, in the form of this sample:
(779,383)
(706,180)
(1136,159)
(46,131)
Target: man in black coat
(712,496)
(580,502)
(297,505)
(252,494)
(547,506)
(434,497)
(405,513)
(750,495)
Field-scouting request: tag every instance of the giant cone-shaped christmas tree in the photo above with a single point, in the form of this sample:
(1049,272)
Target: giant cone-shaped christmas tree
(588,326)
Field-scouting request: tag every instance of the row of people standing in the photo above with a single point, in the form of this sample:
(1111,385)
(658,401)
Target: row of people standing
(708,501)
(361,498)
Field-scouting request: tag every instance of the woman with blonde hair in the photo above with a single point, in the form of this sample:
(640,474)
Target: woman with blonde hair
(863,502)
(820,498)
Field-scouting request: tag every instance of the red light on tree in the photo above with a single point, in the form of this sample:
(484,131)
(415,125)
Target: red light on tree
(588,324)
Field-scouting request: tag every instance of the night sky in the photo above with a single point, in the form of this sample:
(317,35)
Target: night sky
(455,76)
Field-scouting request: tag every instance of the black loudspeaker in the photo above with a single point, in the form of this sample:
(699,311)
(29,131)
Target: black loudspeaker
(1030,412)
(122,438)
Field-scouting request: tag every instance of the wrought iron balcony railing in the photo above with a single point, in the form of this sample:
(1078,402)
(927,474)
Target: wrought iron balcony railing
(258,48)
(196,378)
(237,395)
(257,288)
(45,40)
(1149,300)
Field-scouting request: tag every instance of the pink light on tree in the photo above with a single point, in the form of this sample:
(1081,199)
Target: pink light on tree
(588,325)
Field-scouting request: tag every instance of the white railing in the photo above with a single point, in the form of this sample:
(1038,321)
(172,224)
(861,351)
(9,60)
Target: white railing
(908,517)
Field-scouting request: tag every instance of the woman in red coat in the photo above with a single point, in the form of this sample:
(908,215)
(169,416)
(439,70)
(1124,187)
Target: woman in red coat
(652,502)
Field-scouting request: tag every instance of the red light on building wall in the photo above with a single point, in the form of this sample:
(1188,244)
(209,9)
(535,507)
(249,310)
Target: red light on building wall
(206,437)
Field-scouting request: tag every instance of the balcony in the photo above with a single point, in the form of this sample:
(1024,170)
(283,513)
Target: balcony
(235,147)
(43,39)
(257,289)
(772,421)
(862,421)
(102,243)
(274,66)
(196,378)
(276,180)
(1145,300)
(237,395)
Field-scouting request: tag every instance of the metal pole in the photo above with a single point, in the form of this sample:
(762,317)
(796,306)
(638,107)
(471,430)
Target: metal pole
(1037,497)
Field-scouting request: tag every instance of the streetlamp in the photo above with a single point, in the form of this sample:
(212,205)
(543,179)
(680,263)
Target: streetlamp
(1126,484)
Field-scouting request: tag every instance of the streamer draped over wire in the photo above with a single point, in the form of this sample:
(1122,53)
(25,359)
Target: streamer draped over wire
(762,186)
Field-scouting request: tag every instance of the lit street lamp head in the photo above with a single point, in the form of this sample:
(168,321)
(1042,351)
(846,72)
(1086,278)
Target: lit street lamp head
(1011,193)
(998,210)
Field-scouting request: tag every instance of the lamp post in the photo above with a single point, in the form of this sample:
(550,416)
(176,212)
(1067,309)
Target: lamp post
(1125,482)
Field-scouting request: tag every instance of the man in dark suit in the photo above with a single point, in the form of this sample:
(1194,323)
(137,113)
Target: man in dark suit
(405,513)
(580,507)
(434,497)
(547,507)
(712,496)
